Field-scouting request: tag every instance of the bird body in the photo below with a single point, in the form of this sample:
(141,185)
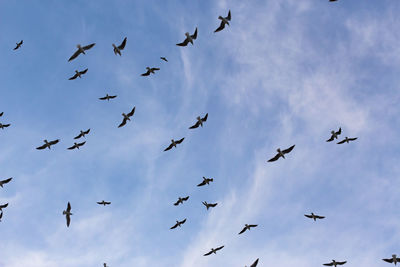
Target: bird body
(334,135)
(209,205)
(48,144)
(181,200)
(247,227)
(126,117)
(178,223)
(281,153)
(77,145)
(82,134)
(199,122)
(206,181)
(347,140)
(174,143)
(78,74)
(18,44)
(68,214)
(108,97)
(189,38)
(314,217)
(335,263)
(394,259)
(80,50)
(117,49)
(224,20)
(104,203)
(213,250)
(149,71)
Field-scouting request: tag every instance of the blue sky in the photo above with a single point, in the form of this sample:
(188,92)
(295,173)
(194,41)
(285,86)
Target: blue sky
(285,72)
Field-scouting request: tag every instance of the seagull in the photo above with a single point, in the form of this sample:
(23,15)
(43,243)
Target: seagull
(394,259)
(82,134)
(2,126)
(180,200)
(3,207)
(5,181)
(199,122)
(334,135)
(189,38)
(126,117)
(108,97)
(209,205)
(281,153)
(347,140)
(163,58)
(174,143)
(68,214)
(80,50)
(104,203)
(76,145)
(205,181)
(335,263)
(117,49)
(254,263)
(247,227)
(48,144)
(178,223)
(149,70)
(213,250)
(19,45)
(78,74)
(314,217)
(223,22)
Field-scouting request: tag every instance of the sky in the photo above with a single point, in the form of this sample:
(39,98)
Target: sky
(284,72)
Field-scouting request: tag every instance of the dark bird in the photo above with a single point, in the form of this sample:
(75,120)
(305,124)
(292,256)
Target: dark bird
(314,217)
(174,143)
(247,227)
(1,114)
(281,153)
(149,70)
(199,122)
(223,22)
(2,126)
(209,205)
(335,263)
(117,49)
(393,259)
(254,263)
(334,135)
(180,200)
(213,250)
(127,117)
(3,206)
(77,145)
(108,97)
(178,223)
(48,144)
(5,181)
(18,45)
(68,214)
(78,74)
(189,38)
(163,58)
(205,181)
(104,203)
(82,134)
(347,140)
(80,50)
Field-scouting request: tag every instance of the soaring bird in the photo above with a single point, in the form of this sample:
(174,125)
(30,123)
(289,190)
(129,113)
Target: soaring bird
(165,59)
(247,227)
(149,70)
(19,45)
(3,206)
(393,259)
(174,143)
(68,214)
(189,38)
(117,49)
(108,97)
(209,205)
(314,217)
(223,22)
(335,263)
(78,74)
(254,263)
(334,135)
(48,144)
(180,200)
(213,250)
(205,181)
(104,203)
(178,223)
(5,181)
(82,134)
(347,140)
(281,153)
(127,117)
(2,126)
(199,122)
(80,50)
(77,145)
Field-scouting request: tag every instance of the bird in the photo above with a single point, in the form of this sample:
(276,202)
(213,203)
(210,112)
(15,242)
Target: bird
(174,143)
(5,181)
(127,117)
(335,263)
(178,223)
(281,153)
(254,263)
(117,49)
(314,217)
(104,203)
(165,59)
(149,70)
(394,259)
(82,134)
(180,200)
(48,144)
(213,250)
(68,214)
(3,206)
(189,38)
(19,45)
(77,145)
(108,97)
(78,74)
(199,122)
(347,140)
(2,126)
(209,205)
(223,22)
(247,227)
(80,50)
(334,135)
(205,181)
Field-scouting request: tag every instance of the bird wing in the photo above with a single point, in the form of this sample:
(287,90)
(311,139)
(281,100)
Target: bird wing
(253,225)
(254,263)
(76,54)
(78,136)
(330,139)
(68,219)
(221,26)
(288,150)
(88,46)
(103,98)
(185,198)
(87,131)
(341,263)
(219,248)
(176,203)
(173,227)
(213,205)
(243,230)
(319,217)
(6,125)
(15,48)
(182,222)
(54,142)
(6,180)
(122,123)
(74,77)
(122,45)
(197,124)
(169,147)
(84,71)
(153,69)
(352,139)
(3,206)
(328,264)
(68,207)
(194,36)
(184,43)
(107,203)
(180,141)
(130,114)
(341,142)
(229,16)
(100,203)
(388,260)
(340,131)
(205,117)
(202,183)
(146,73)
(112,96)
(42,147)
(274,158)
(208,253)
(81,144)
(308,216)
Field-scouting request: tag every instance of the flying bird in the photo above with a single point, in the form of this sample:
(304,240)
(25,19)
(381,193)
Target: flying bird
(108,97)
(127,117)
(3,206)
(347,140)
(104,203)
(2,126)
(18,44)
(174,143)
(281,153)
(181,200)
(149,70)
(209,205)
(117,49)
(165,59)
(393,259)
(314,217)
(78,74)
(82,134)
(68,214)
(178,223)
(5,181)
(48,144)
(213,250)
(189,38)
(80,50)
(335,263)
(334,135)
(205,181)
(199,122)
(77,145)
(223,22)
(247,227)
